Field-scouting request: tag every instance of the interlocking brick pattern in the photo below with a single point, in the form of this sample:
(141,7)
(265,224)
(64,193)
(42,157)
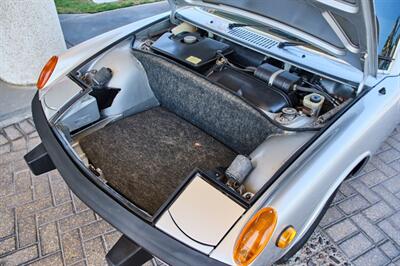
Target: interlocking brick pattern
(43,223)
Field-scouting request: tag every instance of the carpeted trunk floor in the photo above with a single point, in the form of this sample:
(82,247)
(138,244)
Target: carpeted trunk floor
(145,157)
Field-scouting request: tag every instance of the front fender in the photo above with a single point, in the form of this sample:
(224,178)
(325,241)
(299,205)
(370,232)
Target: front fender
(84,51)
(301,192)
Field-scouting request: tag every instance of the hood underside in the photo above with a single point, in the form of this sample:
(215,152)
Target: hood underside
(345,29)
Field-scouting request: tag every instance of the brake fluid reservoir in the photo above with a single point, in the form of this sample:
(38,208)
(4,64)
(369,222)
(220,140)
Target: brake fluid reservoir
(314,102)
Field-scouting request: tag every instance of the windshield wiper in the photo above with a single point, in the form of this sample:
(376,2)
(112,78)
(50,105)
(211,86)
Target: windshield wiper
(238,25)
(285,44)
(385,58)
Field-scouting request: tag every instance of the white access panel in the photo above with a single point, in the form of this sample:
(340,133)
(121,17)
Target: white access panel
(201,216)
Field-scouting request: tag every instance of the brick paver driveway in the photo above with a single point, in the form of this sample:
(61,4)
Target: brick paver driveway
(43,222)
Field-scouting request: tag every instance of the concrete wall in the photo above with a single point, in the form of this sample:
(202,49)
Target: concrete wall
(30,34)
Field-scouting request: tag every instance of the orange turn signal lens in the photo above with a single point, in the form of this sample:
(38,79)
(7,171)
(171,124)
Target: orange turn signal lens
(286,237)
(46,72)
(255,236)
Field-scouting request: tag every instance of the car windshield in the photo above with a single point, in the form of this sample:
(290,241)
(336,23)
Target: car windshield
(388,14)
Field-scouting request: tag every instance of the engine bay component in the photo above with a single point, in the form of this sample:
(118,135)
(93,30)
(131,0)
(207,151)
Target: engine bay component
(290,117)
(314,102)
(277,77)
(189,48)
(97,78)
(264,97)
(240,168)
(183,27)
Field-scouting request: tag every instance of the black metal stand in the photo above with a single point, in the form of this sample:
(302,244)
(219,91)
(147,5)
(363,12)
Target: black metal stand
(126,253)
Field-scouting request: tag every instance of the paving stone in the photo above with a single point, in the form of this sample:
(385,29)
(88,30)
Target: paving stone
(374,177)
(49,240)
(384,147)
(353,204)
(369,167)
(368,228)
(41,186)
(383,166)
(390,249)
(6,181)
(95,229)
(339,197)
(347,190)
(26,127)
(72,246)
(387,196)
(5,148)
(27,231)
(332,215)
(341,230)
(55,213)
(22,181)
(20,256)
(12,157)
(78,204)
(356,245)
(20,164)
(393,184)
(12,132)
(378,211)
(395,165)
(33,142)
(80,263)
(374,257)
(77,220)
(7,245)
(389,155)
(395,220)
(60,192)
(391,231)
(365,191)
(51,260)
(19,199)
(394,143)
(7,222)
(95,252)
(19,144)
(3,139)
(35,206)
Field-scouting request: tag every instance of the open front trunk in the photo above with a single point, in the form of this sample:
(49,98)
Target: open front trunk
(147,156)
(197,125)
(173,106)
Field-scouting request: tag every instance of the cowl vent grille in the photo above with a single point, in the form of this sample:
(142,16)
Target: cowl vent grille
(252,38)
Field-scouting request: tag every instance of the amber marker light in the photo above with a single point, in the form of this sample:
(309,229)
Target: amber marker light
(255,236)
(286,237)
(46,72)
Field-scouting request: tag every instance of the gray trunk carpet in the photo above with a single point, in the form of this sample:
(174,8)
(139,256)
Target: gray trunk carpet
(145,157)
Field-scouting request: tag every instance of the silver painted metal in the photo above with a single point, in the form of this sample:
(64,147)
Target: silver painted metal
(203,213)
(301,191)
(129,76)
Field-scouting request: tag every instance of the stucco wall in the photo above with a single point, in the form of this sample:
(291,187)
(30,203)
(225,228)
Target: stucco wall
(30,34)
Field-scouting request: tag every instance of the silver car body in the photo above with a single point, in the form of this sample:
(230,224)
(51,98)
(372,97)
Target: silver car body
(303,188)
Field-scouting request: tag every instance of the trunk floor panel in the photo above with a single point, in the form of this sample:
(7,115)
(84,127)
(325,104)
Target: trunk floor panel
(147,156)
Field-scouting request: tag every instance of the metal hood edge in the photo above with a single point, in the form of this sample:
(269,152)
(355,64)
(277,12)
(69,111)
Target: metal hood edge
(344,29)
